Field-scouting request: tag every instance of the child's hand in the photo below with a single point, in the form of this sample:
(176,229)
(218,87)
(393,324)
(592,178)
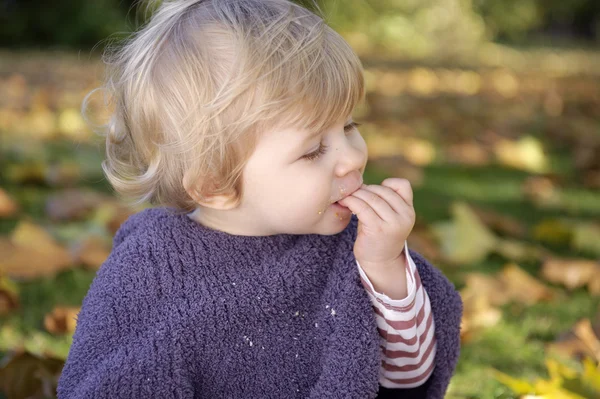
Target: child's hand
(386,217)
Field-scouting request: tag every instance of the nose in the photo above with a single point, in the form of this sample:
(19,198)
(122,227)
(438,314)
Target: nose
(352,155)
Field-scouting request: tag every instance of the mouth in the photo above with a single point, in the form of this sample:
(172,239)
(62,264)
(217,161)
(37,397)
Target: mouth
(345,194)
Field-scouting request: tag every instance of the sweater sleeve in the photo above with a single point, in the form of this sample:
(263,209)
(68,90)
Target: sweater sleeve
(407,331)
(124,345)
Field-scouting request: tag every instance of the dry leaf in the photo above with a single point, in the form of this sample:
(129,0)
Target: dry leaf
(92,251)
(580,342)
(31,252)
(73,204)
(572,273)
(61,320)
(511,284)
(488,286)
(524,288)
(8,207)
(478,314)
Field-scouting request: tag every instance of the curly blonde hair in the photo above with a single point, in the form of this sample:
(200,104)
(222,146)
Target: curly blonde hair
(191,91)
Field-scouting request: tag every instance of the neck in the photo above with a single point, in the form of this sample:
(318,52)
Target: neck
(231,221)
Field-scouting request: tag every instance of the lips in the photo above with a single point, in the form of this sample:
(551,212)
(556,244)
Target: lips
(347,194)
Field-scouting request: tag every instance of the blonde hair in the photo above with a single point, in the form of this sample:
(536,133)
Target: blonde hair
(197,84)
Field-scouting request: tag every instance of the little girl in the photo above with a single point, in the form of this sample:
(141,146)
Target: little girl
(269,270)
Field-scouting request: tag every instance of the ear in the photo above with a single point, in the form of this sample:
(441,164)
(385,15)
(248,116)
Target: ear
(205,197)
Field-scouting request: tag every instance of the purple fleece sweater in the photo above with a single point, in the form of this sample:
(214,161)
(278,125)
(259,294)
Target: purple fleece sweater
(182,311)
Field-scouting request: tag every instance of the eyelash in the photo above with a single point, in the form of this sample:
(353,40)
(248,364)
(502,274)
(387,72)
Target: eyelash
(323,148)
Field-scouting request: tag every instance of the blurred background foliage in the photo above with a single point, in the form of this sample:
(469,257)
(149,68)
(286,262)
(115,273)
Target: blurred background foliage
(491,108)
(442,28)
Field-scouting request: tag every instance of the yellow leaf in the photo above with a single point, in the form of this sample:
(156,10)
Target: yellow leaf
(553,231)
(520,387)
(591,374)
(527,154)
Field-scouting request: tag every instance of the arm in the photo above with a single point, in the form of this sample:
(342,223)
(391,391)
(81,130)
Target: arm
(407,330)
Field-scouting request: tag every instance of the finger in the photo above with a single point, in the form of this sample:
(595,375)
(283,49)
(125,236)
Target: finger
(395,201)
(362,210)
(402,187)
(379,205)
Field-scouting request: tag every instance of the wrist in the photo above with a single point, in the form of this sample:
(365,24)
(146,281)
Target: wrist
(388,278)
(395,264)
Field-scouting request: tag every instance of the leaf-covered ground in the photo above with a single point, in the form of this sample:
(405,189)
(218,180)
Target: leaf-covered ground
(504,160)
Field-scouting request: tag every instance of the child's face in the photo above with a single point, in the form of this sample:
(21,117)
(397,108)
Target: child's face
(292,180)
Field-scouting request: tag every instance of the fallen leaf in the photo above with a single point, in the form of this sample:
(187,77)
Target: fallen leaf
(580,342)
(31,252)
(62,320)
(572,273)
(541,191)
(478,314)
(73,204)
(92,251)
(8,207)
(489,286)
(527,154)
(554,231)
(524,288)
(510,284)
(465,239)
(584,331)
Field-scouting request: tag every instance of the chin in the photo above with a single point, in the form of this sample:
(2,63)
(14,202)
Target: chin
(334,228)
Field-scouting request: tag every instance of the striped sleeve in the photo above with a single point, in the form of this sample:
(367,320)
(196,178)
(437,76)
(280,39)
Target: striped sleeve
(407,328)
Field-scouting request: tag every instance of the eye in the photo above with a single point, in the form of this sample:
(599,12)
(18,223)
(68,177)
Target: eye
(351,126)
(316,154)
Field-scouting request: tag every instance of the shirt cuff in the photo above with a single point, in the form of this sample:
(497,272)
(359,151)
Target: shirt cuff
(410,283)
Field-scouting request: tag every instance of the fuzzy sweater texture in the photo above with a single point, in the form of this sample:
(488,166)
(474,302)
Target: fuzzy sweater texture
(182,311)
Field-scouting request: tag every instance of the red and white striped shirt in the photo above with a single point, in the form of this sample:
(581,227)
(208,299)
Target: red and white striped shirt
(407,330)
